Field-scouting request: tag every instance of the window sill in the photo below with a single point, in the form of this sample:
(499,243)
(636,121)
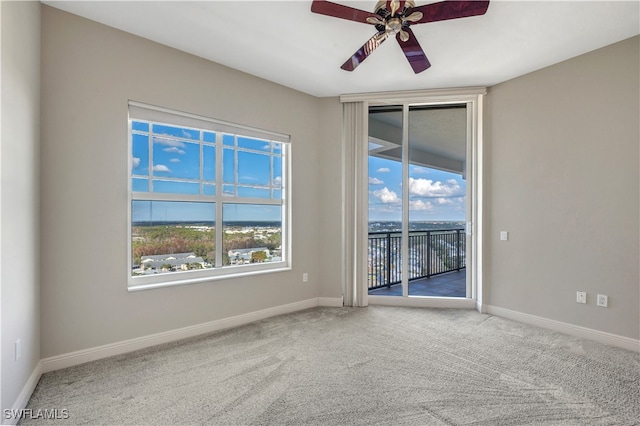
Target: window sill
(231,272)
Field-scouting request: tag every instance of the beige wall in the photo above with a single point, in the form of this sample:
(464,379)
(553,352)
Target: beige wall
(330,218)
(562,176)
(90,71)
(19,192)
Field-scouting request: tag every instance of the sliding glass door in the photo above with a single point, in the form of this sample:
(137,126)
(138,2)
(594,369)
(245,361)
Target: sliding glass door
(386,218)
(418,200)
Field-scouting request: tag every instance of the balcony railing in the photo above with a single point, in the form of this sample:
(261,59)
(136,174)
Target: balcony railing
(431,253)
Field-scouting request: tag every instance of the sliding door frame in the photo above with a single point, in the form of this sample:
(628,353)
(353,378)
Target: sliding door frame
(356,233)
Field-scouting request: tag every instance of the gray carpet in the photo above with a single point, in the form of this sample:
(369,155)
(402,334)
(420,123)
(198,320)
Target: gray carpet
(357,366)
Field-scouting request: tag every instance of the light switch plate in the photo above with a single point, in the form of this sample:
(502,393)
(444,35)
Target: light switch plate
(581,297)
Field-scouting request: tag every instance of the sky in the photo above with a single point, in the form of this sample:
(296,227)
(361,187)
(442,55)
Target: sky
(434,195)
(174,164)
(172,211)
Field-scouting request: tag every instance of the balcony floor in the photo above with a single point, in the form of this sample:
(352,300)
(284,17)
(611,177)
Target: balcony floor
(451,284)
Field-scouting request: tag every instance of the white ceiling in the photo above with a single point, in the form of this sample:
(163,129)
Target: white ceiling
(437,136)
(282,41)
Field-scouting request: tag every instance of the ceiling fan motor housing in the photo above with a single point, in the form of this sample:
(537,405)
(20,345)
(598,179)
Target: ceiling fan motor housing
(393,24)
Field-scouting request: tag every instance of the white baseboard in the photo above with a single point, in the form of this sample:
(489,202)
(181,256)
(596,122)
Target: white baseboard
(86,355)
(331,302)
(424,302)
(566,328)
(23,397)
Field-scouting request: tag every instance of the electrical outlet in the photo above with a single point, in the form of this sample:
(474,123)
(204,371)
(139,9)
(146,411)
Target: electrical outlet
(18,349)
(602,300)
(305,277)
(504,236)
(581,297)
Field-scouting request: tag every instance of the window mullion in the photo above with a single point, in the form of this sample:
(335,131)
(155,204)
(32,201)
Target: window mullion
(246,200)
(219,184)
(201,184)
(235,165)
(157,196)
(150,187)
(271,170)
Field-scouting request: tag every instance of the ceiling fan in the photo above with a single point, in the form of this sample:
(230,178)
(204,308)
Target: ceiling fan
(394,17)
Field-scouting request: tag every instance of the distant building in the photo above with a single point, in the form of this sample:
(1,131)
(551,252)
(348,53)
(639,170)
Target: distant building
(153,264)
(244,256)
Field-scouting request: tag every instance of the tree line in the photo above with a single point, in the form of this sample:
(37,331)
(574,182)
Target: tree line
(160,240)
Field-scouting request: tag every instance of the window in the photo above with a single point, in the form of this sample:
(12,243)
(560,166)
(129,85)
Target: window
(208,199)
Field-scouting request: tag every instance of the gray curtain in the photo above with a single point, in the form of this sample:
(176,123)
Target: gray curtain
(354,201)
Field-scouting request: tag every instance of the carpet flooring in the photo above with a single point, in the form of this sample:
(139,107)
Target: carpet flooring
(356,366)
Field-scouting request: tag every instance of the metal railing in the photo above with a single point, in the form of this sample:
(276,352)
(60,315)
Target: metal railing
(431,253)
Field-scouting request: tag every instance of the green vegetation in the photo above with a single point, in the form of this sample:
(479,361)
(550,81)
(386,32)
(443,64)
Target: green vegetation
(151,240)
(165,239)
(258,256)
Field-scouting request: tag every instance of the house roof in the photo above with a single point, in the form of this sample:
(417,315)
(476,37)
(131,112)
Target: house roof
(282,41)
(247,251)
(164,257)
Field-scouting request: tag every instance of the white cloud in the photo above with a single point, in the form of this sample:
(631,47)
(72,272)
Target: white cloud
(168,142)
(386,196)
(135,162)
(161,168)
(277,181)
(429,188)
(384,170)
(375,181)
(175,150)
(420,205)
(175,160)
(444,201)
(420,170)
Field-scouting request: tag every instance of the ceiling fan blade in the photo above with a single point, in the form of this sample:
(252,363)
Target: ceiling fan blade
(444,10)
(412,50)
(364,51)
(339,11)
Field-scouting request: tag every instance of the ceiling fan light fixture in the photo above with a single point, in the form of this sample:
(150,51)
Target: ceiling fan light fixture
(414,17)
(395,5)
(374,21)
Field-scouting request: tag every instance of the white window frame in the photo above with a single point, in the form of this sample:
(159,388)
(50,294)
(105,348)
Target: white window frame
(143,112)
